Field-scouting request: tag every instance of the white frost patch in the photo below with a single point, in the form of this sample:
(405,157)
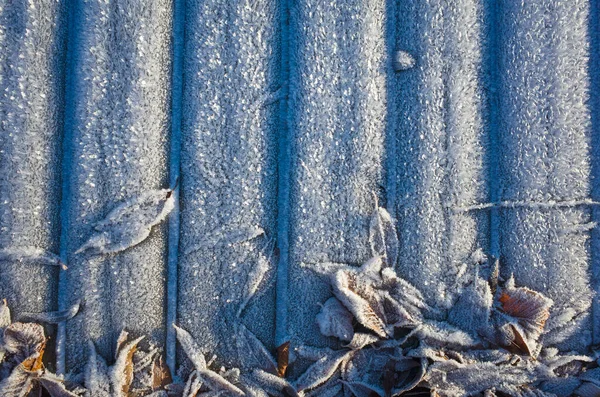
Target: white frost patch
(31,256)
(403,61)
(130,222)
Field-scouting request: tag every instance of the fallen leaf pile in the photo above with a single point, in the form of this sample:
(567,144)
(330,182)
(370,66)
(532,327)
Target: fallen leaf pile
(22,372)
(491,343)
(498,338)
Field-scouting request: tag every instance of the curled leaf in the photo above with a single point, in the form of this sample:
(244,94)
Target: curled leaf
(383,238)
(335,320)
(52,317)
(31,256)
(130,222)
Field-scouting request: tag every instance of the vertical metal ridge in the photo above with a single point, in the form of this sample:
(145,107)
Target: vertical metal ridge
(174,175)
(283,183)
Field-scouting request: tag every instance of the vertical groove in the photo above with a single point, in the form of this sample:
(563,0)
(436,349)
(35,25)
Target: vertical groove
(594,67)
(69,99)
(174,171)
(493,151)
(391,148)
(283,188)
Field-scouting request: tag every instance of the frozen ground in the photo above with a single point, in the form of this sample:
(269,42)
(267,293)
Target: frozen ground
(282,121)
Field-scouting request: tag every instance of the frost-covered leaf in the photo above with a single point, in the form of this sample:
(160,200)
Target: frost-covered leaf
(443,335)
(52,317)
(363,389)
(121,372)
(273,384)
(283,358)
(211,379)
(319,372)
(191,348)
(31,256)
(407,379)
(472,310)
(361,299)
(449,378)
(130,222)
(313,353)
(335,320)
(222,238)
(251,387)
(25,341)
(525,314)
(54,385)
(529,307)
(383,238)
(325,268)
(97,380)
(360,340)
(216,382)
(257,278)
(251,351)
(326,391)
(405,294)
(161,374)
(19,383)
(4,315)
(192,386)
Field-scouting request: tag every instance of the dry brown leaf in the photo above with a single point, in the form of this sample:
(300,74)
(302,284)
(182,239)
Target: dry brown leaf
(161,374)
(519,344)
(34,362)
(122,371)
(530,307)
(283,356)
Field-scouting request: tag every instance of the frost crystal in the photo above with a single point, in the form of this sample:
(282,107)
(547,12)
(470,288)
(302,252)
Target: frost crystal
(403,61)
